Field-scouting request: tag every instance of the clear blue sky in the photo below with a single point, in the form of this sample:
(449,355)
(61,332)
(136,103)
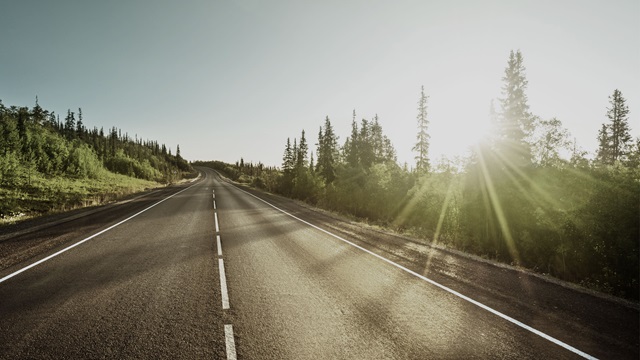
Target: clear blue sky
(231,79)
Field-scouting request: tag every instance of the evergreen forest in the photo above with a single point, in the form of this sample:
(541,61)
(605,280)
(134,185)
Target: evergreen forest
(48,164)
(527,195)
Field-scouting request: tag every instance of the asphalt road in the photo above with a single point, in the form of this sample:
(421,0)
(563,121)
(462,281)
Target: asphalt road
(209,271)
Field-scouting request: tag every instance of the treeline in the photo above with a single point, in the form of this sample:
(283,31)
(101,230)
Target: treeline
(36,144)
(528,195)
(36,140)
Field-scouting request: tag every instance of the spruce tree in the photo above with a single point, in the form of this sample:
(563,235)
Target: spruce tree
(619,126)
(604,155)
(320,147)
(351,145)
(515,121)
(422,145)
(287,158)
(80,125)
(365,146)
(302,153)
(39,115)
(327,152)
(70,125)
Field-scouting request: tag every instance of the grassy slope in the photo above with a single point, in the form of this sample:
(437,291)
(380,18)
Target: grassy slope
(41,195)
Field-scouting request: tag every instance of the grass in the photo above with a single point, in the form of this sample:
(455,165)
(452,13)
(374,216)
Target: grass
(43,195)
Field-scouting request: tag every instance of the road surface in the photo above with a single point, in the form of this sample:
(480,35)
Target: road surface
(212,271)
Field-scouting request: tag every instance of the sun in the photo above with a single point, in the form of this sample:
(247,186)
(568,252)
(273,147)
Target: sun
(457,135)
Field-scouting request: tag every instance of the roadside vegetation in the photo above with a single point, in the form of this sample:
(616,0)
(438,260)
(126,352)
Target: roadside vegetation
(526,195)
(51,165)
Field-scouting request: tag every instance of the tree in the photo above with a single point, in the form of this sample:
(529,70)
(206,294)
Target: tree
(604,155)
(287,158)
(578,156)
(70,125)
(515,121)
(10,139)
(614,139)
(351,145)
(549,139)
(619,126)
(302,153)
(422,145)
(38,114)
(80,129)
(633,161)
(365,152)
(327,152)
(382,148)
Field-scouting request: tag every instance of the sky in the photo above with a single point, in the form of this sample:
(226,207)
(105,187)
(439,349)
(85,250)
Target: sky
(236,78)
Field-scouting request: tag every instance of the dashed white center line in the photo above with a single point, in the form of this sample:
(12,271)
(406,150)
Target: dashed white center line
(223,285)
(230,342)
(228,329)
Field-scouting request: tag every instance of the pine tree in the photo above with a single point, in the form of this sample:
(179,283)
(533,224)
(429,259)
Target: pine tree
(327,152)
(604,155)
(23,119)
(287,158)
(302,153)
(294,152)
(319,148)
(70,125)
(515,121)
(9,136)
(351,145)
(422,145)
(39,115)
(619,126)
(365,146)
(79,125)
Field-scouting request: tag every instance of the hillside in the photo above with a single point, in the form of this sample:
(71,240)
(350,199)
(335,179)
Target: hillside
(51,165)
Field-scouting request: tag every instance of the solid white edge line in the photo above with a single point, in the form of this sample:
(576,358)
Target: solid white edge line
(219,245)
(88,238)
(230,342)
(223,285)
(464,297)
(217,227)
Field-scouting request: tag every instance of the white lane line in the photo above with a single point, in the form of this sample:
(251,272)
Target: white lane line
(217,227)
(464,297)
(214,205)
(219,245)
(89,238)
(230,342)
(223,285)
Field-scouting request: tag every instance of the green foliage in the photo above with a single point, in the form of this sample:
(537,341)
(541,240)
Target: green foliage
(36,150)
(328,154)
(614,139)
(515,122)
(570,218)
(422,144)
(46,194)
